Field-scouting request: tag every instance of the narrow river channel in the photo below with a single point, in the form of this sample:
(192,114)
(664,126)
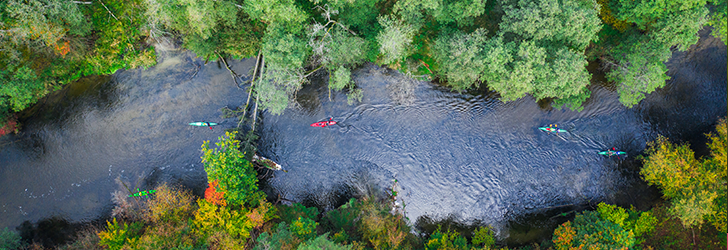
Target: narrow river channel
(467,156)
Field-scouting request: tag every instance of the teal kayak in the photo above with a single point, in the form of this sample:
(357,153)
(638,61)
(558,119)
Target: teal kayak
(610,153)
(202,124)
(549,129)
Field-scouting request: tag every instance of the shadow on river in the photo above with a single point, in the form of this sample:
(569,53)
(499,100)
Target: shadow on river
(468,157)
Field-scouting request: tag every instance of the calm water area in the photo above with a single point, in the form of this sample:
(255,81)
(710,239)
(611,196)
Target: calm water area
(464,156)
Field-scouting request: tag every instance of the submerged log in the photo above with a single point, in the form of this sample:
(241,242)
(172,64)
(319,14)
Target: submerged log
(266,163)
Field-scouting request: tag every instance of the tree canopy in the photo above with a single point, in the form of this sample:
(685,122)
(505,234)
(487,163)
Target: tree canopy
(696,187)
(516,48)
(235,175)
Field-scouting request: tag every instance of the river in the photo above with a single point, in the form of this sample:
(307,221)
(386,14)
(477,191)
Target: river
(466,156)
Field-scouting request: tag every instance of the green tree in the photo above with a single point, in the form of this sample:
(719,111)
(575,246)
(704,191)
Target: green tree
(643,12)
(322,242)
(483,237)
(638,223)
(20,88)
(395,39)
(284,51)
(280,238)
(337,49)
(120,26)
(637,63)
(47,21)
(207,26)
(588,230)
(291,213)
(10,240)
(461,57)
(304,228)
(461,12)
(446,241)
(540,51)
(639,71)
(235,174)
(719,20)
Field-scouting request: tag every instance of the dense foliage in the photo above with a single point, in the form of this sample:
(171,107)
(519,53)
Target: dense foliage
(696,187)
(228,166)
(519,47)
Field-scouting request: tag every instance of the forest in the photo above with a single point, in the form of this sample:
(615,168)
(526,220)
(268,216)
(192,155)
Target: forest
(535,47)
(513,47)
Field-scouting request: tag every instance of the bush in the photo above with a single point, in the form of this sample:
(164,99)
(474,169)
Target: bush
(304,228)
(322,242)
(170,205)
(116,236)
(483,236)
(281,239)
(588,229)
(291,213)
(448,240)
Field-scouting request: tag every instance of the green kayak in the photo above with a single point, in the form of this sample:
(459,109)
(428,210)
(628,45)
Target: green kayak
(202,124)
(143,193)
(610,153)
(550,129)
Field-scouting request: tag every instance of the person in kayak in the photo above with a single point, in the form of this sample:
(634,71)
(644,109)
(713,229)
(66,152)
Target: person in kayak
(208,125)
(554,128)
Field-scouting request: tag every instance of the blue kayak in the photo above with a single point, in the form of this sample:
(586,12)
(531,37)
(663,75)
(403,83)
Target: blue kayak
(202,124)
(550,129)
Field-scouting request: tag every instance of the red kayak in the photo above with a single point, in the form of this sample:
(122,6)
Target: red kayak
(323,123)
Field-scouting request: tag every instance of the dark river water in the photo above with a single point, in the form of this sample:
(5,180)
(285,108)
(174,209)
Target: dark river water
(466,156)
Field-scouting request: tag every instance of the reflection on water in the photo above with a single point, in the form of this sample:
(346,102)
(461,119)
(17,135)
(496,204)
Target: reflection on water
(472,157)
(466,156)
(132,125)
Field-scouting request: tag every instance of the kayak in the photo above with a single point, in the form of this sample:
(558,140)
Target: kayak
(323,124)
(202,124)
(549,129)
(143,193)
(610,153)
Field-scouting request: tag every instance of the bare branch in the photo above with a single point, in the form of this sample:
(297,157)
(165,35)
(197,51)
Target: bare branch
(107,9)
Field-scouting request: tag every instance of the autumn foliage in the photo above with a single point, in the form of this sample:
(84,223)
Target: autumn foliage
(214,194)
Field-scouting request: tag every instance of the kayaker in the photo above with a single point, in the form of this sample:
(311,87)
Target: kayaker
(208,125)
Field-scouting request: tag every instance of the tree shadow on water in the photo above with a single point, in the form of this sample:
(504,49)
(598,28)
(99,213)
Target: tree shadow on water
(49,232)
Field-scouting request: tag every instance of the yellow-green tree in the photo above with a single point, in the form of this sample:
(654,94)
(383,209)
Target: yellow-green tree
(696,187)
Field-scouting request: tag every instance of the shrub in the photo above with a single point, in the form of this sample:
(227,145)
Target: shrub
(170,205)
(304,228)
(588,229)
(291,213)
(322,242)
(448,240)
(483,236)
(116,236)
(211,218)
(281,239)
